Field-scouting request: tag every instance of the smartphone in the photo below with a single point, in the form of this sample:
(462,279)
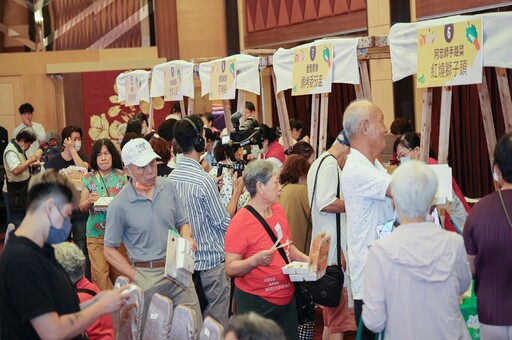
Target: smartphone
(385,228)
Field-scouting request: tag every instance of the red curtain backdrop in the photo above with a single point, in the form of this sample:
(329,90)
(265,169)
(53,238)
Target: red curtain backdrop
(102,113)
(300,107)
(468,154)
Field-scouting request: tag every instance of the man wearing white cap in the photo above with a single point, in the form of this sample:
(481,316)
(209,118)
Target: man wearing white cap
(140,216)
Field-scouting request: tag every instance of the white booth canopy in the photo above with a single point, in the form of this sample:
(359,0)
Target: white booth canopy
(247,73)
(143,89)
(345,67)
(187,74)
(497,42)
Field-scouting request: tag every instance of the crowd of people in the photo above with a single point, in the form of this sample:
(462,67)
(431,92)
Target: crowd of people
(232,204)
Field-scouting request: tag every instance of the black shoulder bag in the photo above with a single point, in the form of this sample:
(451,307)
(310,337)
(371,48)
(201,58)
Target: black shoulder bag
(327,290)
(303,299)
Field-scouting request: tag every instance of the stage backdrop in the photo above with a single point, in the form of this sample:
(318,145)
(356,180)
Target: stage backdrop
(102,113)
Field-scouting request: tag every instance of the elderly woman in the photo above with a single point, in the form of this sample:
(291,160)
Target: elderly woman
(488,236)
(72,259)
(408,148)
(294,198)
(251,257)
(414,276)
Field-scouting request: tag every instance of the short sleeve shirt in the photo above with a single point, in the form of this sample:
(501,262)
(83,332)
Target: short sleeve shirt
(246,236)
(58,163)
(143,224)
(108,186)
(488,236)
(364,187)
(32,283)
(325,194)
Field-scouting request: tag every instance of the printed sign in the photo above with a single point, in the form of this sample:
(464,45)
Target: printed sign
(132,87)
(223,79)
(312,69)
(172,83)
(450,54)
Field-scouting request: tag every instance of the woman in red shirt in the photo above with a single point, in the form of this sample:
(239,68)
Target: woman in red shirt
(272,150)
(251,256)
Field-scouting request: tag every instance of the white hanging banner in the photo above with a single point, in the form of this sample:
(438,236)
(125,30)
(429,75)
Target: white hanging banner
(173,80)
(223,79)
(403,42)
(345,68)
(247,73)
(132,87)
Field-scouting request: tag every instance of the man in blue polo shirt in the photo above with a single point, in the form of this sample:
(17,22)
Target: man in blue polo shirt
(140,216)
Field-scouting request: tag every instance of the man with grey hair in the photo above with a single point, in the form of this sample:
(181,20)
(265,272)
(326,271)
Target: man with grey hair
(417,257)
(141,216)
(365,185)
(327,202)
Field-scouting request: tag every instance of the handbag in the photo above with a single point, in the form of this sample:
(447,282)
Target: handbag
(326,291)
(17,195)
(303,299)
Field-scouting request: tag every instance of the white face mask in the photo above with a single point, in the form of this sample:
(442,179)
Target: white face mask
(405,159)
(143,130)
(495,175)
(78,145)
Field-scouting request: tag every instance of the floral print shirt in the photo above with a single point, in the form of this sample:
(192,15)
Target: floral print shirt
(108,186)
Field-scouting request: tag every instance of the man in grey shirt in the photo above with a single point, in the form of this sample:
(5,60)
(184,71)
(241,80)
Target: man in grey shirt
(140,216)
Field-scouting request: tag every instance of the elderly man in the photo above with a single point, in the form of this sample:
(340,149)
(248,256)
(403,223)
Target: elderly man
(365,185)
(327,207)
(141,216)
(208,216)
(413,277)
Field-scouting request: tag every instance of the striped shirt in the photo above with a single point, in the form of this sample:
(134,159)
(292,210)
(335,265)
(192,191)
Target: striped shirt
(208,217)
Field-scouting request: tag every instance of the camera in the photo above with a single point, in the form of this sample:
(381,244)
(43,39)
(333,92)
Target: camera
(248,133)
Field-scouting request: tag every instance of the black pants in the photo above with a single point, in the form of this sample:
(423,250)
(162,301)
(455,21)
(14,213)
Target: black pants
(285,316)
(79,222)
(358,311)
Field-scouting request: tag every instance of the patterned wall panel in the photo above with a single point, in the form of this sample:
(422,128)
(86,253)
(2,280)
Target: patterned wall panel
(267,20)
(435,8)
(82,24)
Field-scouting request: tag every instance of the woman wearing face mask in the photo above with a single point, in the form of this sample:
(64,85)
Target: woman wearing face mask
(106,179)
(408,148)
(37,299)
(71,154)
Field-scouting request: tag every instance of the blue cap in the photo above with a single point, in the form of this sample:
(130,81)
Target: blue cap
(343,139)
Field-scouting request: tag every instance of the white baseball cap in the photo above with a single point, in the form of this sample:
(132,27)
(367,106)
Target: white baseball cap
(138,152)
